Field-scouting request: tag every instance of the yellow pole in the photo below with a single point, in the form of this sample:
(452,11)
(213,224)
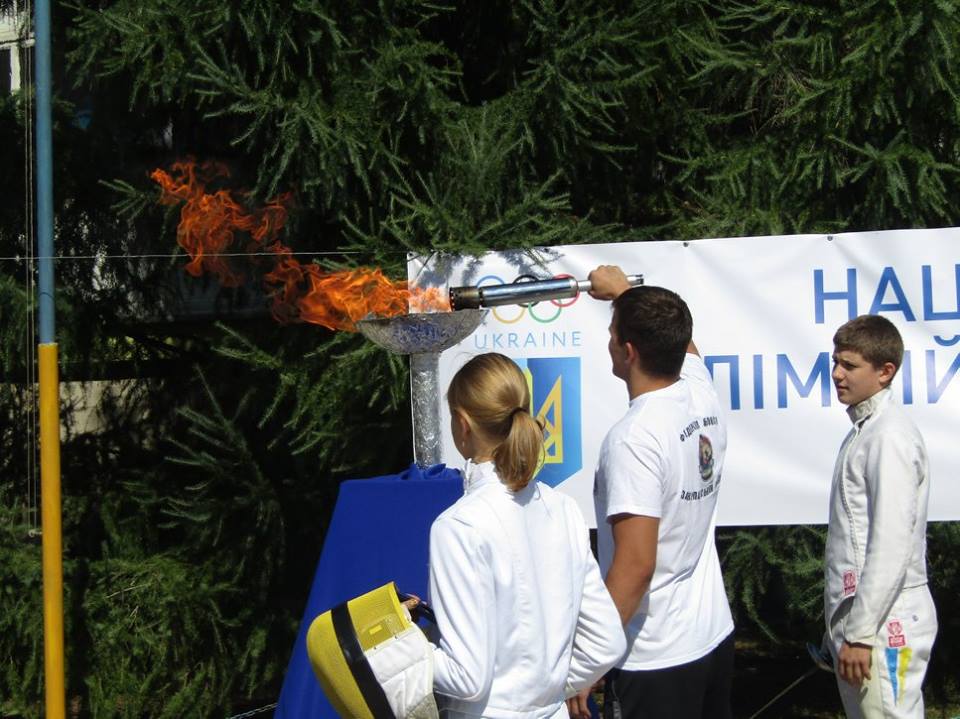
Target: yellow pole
(52,534)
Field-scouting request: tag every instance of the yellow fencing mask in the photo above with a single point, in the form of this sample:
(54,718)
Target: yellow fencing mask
(372,660)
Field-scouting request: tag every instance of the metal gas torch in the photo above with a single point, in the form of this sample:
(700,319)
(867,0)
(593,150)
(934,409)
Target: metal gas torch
(524,290)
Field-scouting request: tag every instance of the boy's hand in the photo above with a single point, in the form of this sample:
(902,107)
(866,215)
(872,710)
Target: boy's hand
(607,282)
(577,705)
(853,663)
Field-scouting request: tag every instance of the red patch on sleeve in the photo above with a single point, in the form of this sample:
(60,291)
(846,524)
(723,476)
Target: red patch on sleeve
(849,582)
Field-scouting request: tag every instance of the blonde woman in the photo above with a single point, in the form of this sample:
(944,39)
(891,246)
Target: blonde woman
(524,617)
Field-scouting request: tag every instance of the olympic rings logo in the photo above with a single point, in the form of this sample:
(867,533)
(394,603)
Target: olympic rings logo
(544,317)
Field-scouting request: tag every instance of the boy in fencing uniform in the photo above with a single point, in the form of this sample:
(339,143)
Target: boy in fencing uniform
(880,617)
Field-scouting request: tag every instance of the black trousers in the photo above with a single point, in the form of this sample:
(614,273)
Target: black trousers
(697,690)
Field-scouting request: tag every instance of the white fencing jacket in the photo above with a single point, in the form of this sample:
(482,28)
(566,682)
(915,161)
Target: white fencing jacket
(524,616)
(876,540)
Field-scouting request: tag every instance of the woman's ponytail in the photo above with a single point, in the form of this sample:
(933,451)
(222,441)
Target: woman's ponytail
(518,456)
(491,391)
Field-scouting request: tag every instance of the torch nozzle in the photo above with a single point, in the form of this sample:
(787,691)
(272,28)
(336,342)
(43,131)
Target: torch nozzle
(522,291)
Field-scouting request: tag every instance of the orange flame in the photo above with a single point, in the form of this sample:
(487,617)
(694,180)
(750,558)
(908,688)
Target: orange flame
(209,223)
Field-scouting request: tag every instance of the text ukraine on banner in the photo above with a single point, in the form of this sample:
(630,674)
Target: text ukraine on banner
(541,313)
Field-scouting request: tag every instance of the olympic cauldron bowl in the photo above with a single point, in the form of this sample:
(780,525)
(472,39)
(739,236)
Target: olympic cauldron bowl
(423,336)
(420,333)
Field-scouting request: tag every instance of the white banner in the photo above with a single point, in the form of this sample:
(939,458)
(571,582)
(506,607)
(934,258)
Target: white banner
(764,312)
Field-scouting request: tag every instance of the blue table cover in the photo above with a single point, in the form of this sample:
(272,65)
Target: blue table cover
(379,532)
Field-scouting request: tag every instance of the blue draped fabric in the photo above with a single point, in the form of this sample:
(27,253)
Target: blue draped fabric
(379,532)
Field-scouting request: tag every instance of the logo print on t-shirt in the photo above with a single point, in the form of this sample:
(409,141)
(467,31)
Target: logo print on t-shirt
(706,458)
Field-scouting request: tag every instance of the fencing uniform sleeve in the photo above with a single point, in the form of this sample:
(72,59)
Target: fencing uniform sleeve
(461,592)
(893,473)
(599,641)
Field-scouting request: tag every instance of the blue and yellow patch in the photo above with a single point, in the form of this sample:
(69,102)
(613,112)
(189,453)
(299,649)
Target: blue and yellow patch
(554,384)
(898,659)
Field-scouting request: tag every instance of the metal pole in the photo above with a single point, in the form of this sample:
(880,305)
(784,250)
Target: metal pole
(44,173)
(53,652)
(425,406)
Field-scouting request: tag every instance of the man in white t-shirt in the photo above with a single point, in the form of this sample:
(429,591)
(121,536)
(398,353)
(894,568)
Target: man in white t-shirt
(655,493)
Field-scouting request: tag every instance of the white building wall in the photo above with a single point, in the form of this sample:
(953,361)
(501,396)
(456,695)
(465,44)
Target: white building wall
(12,26)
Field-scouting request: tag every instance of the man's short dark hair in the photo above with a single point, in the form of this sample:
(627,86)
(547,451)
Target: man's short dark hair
(874,337)
(657,323)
